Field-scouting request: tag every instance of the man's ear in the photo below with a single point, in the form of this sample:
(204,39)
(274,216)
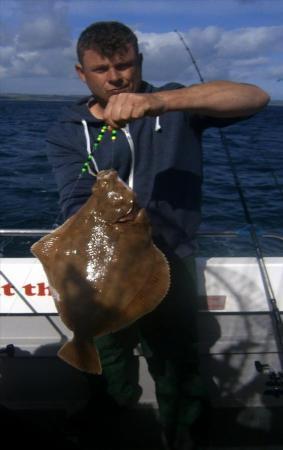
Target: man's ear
(140,59)
(80,71)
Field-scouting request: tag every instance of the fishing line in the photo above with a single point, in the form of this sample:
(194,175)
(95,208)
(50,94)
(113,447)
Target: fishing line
(34,262)
(55,224)
(63,337)
(275,312)
(277,182)
(33,310)
(85,168)
(3,244)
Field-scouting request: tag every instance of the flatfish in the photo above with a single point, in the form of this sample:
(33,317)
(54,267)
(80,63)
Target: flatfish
(103,268)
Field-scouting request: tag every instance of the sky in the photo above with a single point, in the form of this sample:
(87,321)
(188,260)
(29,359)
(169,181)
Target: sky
(239,40)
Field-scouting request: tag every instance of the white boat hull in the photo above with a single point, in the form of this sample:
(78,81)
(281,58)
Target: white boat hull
(235,330)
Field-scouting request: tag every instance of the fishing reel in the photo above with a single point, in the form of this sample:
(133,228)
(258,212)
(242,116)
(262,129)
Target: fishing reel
(274,383)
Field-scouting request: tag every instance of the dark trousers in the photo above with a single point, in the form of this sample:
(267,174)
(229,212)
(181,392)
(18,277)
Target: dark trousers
(168,337)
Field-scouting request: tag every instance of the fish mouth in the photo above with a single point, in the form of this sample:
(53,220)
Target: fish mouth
(130,215)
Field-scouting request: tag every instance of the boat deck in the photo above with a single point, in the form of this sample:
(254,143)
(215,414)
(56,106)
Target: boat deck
(235,335)
(93,428)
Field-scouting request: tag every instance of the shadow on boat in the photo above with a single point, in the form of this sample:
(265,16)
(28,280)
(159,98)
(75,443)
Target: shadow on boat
(96,422)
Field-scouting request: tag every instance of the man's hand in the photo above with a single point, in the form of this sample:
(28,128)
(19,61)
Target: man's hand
(125,107)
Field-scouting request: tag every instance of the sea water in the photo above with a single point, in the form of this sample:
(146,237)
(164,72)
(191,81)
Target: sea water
(29,196)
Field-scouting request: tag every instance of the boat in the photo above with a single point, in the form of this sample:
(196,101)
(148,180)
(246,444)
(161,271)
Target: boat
(240,349)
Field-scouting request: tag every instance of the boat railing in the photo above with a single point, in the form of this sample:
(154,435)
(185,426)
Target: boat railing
(242,232)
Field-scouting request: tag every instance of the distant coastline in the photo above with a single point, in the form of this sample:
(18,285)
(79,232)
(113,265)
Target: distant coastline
(71,98)
(40,97)
(276,103)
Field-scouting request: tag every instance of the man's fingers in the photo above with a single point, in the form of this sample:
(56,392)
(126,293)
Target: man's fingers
(124,108)
(116,125)
(118,111)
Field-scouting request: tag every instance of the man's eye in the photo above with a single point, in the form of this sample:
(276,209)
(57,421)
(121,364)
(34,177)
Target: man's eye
(99,70)
(124,66)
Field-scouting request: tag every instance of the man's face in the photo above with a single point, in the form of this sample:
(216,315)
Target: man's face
(109,76)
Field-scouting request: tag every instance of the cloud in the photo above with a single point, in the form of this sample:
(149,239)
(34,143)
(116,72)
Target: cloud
(38,25)
(165,56)
(219,53)
(173,8)
(250,41)
(43,33)
(37,43)
(3,72)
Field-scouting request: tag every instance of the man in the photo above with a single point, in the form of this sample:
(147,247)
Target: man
(157,148)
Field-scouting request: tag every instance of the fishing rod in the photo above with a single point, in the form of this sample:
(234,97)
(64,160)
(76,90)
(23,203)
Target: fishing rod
(275,312)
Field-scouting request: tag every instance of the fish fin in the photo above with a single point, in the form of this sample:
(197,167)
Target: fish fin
(82,355)
(158,282)
(154,290)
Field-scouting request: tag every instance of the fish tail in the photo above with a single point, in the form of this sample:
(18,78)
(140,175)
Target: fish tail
(82,355)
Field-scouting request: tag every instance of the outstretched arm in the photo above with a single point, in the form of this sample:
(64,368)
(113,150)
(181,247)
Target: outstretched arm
(215,99)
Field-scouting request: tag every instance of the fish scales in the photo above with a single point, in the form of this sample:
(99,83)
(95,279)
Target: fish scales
(103,268)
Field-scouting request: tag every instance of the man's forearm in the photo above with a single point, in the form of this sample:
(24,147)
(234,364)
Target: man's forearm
(216,99)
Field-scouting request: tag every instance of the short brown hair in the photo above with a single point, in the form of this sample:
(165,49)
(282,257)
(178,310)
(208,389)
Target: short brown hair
(107,38)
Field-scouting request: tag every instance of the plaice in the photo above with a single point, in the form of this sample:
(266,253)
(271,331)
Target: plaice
(103,269)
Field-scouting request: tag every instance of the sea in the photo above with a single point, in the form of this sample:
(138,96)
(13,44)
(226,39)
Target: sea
(242,188)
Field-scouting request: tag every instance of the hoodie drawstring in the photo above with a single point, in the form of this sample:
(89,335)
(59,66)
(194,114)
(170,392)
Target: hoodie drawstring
(88,148)
(157,124)
(129,138)
(126,131)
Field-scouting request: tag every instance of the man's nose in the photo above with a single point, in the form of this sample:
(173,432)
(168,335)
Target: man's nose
(114,76)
